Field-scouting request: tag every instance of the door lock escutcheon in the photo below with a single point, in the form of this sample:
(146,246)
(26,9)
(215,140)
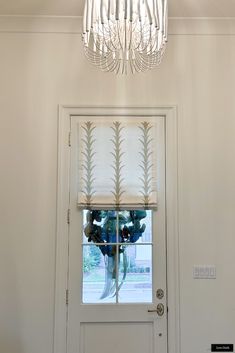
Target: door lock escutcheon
(159,310)
(160,293)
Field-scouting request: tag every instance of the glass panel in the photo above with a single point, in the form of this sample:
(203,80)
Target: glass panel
(133,263)
(101,226)
(135,274)
(138,226)
(99,274)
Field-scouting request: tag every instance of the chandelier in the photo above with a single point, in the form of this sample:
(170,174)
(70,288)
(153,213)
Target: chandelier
(125,35)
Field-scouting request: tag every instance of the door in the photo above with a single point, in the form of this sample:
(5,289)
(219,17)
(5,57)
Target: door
(117,289)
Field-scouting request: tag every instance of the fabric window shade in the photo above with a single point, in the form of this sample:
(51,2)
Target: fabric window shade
(117,162)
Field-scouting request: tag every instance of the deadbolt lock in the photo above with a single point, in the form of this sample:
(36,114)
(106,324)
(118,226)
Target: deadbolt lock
(160,293)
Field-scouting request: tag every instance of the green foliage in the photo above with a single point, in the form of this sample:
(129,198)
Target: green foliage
(86,265)
(95,254)
(134,268)
(91,259)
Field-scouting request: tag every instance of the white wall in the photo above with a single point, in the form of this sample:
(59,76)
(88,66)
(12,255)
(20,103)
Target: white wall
(40,70)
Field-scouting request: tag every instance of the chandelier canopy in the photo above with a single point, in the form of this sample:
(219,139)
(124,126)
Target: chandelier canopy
(125,35)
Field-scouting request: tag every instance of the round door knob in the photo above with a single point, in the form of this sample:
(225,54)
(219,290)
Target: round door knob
(160,309)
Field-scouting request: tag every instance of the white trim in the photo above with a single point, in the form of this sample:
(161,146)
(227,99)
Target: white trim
(60,324)
(209,26)
(65,112)
(173,271)
(40,24)
(73,24)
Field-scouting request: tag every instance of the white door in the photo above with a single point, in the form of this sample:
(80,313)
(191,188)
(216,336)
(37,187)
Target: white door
(117,292)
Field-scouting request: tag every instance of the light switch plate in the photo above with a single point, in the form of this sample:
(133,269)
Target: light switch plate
(204,272)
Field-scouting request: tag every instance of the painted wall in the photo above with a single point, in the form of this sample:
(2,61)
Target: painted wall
(38,71)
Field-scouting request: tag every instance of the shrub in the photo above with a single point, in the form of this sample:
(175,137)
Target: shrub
(91,259)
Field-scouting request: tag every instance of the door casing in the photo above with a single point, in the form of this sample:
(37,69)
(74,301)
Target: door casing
(63,198)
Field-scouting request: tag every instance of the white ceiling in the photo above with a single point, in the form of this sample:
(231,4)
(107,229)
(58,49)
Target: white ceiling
(177,8)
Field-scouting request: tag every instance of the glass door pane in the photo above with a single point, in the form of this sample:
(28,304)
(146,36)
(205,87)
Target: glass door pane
(117,256)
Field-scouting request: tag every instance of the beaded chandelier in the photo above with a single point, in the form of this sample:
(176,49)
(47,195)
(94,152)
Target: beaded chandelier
(125,35)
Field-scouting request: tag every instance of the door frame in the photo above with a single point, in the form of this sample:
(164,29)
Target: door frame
(62,226)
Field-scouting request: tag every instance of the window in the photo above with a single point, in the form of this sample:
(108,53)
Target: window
(117,256)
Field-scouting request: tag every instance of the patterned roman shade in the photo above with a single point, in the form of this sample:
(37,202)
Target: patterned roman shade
(117,162)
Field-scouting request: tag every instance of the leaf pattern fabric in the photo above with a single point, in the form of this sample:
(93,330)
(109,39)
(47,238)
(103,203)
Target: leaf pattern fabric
(117,162)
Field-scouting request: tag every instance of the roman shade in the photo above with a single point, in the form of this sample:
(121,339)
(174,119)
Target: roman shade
(117,162)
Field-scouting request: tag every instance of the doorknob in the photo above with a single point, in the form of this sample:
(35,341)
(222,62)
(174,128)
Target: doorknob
(159,310)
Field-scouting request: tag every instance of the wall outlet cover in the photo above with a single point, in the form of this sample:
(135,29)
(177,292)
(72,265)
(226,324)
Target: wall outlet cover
(204,272)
